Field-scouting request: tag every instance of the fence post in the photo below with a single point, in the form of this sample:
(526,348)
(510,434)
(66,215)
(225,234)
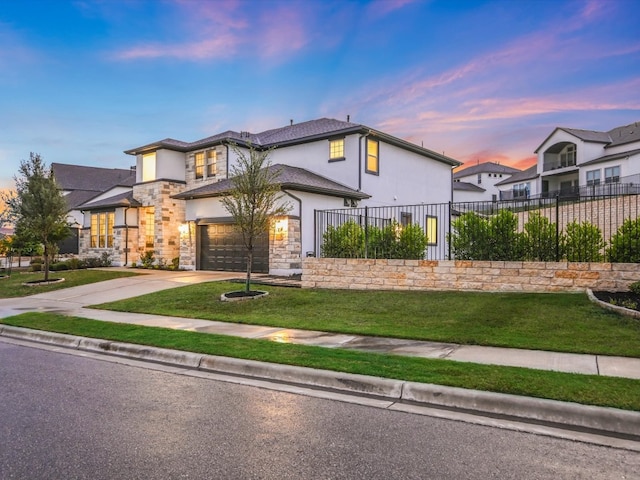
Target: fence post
(315,233)
(557,228)
(449,234)
(366,231)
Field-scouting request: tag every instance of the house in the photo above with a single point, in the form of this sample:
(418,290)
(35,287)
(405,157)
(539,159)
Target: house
(478,182)
(587,162)
(174,207)
(520,186)
(81,184)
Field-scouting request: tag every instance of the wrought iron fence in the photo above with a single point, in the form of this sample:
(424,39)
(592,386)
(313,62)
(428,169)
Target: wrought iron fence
(587,228)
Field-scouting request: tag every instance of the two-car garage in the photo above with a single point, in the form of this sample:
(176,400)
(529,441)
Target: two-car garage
(221,248)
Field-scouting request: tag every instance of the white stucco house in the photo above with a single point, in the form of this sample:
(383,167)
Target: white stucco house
(478,182)
(520,186)
(174,208)
(586,162)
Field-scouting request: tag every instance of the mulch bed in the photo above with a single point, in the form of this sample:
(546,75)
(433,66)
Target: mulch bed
(619,298)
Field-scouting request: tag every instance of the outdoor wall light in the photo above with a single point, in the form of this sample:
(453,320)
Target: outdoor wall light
(183,228)
(281,225)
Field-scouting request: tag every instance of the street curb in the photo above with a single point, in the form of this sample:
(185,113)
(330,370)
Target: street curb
(610,422)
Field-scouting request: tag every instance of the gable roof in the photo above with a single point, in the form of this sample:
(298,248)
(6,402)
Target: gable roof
(293,134)
(84,183)
(528,174)
(467,187)
(96,179)
(614,137)
(614,156)
(121,200)
(289,177)
(486,167)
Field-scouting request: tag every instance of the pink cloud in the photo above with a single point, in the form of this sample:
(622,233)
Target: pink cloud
(380,8)
(224,28)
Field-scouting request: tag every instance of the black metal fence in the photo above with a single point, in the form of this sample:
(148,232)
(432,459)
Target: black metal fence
(587,228)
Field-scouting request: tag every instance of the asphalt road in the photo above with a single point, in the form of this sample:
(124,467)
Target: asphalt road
(70,417)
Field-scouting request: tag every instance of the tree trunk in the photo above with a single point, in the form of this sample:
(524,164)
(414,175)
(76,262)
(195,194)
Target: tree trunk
(247,287)
(46,262)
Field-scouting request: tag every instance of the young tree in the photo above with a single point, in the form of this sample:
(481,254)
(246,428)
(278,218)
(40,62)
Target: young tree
(37,207)
(255,198)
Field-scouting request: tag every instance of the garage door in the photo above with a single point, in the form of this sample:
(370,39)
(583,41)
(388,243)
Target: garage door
(221,248)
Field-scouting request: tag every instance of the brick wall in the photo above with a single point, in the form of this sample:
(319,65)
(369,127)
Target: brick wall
(367,274)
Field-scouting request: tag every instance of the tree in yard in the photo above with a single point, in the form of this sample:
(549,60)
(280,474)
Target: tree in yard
(37,208)
(255,198)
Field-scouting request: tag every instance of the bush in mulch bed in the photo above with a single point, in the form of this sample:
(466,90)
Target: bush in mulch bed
(630,299)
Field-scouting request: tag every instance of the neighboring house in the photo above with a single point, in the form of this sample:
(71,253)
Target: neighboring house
(174,208)
(478,182)
(572,162)
(81,184)
(520,186)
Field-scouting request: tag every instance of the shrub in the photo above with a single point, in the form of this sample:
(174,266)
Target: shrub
(345,241)
(469,240)
(36,267)
(105,259)
(76,264)
(625,244)
(58,266)
(93,262)
(584,242)
(635,288)
(539,239)
(505,243)
(36,261)
(412,243)
(147,259)
(381,242)
(175,263)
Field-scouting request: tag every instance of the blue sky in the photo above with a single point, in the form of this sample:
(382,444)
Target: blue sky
(81,81)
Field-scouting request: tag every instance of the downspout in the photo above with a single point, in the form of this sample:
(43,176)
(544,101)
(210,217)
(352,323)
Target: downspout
(126,237)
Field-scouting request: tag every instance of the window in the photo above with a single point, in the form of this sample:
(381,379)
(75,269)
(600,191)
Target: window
(431,230)
(102,229)
(593,177)
(479,178)
(405,219)
(212,158)
(149,229)
(148,167)
(336,150)
(199,162)
(206,163)
(568,156)
(373,158)
(612,174)
(521,190)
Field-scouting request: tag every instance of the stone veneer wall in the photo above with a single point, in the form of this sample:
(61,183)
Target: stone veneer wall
(169,215)
(285,249)
(367,274)
(119,254)
(188,247)
(221,168)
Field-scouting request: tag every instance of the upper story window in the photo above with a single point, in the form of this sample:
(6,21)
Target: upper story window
(479,178)
(212,158)
(612,174)
(149,167)
(336,149)
(205,163)
(373,157)
(593,177)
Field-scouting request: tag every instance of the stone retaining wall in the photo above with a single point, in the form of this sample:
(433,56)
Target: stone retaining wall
(367,274)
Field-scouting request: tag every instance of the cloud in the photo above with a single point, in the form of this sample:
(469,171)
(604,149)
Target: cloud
(381,8)
(222,29)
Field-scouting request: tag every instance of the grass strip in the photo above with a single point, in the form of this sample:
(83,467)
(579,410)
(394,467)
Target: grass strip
(11,287)
(585,389)
(561,322)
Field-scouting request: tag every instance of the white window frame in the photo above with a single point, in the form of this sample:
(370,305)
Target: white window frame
(593,177)
(612,174)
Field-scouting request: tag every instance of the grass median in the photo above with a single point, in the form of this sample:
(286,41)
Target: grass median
(561,322)
(585,389)
(11,287)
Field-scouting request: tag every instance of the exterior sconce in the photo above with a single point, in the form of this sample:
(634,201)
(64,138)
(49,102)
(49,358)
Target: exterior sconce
(281,226)
(183,228)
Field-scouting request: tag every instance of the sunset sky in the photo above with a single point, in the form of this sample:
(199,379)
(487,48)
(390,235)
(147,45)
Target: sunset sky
(81,81)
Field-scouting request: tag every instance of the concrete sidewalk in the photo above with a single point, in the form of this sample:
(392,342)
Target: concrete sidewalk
(73,301)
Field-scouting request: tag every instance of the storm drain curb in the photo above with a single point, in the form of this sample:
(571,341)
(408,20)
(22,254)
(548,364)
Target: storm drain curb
(601,420)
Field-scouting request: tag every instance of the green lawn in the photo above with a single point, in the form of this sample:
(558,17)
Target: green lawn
(555,322)
(13,286)
(585,389)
